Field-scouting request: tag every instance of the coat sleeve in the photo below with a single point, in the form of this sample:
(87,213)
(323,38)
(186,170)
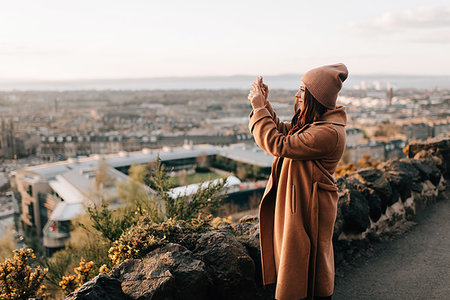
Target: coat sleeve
(282,127)
(313,143)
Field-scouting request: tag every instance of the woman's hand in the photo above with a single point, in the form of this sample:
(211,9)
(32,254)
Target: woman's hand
(256,97)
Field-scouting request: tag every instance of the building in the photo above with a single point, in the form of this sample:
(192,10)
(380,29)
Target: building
(61,147)
(14,144)
(353,136)
(418,131)
(55,193)
(378,149)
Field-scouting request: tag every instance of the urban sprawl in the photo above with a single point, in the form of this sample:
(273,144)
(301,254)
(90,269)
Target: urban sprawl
(52,143)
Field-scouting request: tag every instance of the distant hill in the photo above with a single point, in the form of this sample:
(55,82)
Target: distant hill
(286,81)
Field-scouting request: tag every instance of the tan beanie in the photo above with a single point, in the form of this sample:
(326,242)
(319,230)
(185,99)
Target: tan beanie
(325,82)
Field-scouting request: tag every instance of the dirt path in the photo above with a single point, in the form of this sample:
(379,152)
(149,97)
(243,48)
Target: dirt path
(415,265)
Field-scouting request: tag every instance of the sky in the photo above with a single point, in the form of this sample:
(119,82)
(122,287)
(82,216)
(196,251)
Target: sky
(60,40)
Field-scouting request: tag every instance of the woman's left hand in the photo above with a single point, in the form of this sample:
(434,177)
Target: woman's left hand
(256,97)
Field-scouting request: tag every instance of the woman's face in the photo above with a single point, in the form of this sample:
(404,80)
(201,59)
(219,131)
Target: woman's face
(299,97)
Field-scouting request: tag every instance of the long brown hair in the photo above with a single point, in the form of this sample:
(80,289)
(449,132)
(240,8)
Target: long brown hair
(312,110)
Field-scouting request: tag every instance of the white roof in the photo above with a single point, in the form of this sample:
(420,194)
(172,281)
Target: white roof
(240,152)
(66,211)
(77,184)
(193,188)
(66,190)
(248,154)
(122,159)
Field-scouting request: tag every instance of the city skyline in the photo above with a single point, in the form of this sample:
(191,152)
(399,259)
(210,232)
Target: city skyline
(51,40)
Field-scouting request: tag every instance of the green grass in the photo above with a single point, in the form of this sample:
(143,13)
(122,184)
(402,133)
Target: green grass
(197,178)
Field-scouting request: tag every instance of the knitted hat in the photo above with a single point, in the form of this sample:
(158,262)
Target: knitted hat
(325,82)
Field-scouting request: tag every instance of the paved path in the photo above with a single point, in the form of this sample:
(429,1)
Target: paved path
(413,266)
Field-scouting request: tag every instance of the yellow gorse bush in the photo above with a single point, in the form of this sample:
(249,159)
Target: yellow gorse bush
(217,221)
(83,273)
(18,280)
(103,269)
(148,235)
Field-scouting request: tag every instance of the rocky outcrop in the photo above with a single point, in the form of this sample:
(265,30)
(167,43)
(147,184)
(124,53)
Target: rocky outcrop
(226,263)
(101,287)
(169,272)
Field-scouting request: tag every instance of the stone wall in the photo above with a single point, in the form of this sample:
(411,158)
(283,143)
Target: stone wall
(225,263)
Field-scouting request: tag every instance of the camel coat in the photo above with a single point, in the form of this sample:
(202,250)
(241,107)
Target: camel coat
(298,209)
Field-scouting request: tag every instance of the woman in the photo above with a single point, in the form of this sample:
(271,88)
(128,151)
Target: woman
(298,208)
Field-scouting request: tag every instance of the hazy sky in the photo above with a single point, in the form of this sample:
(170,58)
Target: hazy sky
(122,39)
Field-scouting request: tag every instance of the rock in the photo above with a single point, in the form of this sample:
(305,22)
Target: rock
(169,272)
(401,185)
(248,219)
(374,201)
(375,179)
(402,167)
(427,171)
(101,287)
(437,150)
(355,212)
(248,235)
(230,266)
(338,224)
(403,177)
(244,229)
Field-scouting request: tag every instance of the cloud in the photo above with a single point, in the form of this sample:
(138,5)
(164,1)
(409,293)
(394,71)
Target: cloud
(439,36)
(424,18)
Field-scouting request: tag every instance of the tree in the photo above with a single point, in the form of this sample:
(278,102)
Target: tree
(184,207)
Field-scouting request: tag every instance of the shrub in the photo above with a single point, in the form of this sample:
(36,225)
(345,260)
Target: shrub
(18,280)
(84,242)
(111,224)
(7,244)
(148,235)
(343,169)
(83,273)
(207,198)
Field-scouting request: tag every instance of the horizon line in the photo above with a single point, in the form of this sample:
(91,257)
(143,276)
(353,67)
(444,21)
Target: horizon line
(200,76)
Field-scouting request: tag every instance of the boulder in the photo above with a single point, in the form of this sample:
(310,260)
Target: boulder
(101,287)
(372,197)
(248,235)
(169,272)
(427,171)
(375,179)
(355,211)
(402,167)
(403,177)
(436,151)
(229,264)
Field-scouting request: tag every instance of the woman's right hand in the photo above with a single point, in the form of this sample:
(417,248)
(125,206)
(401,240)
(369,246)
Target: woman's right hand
(256,97)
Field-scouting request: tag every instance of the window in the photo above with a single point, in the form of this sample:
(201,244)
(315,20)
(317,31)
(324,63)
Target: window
(43,214)
(31,212)
(29,190)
